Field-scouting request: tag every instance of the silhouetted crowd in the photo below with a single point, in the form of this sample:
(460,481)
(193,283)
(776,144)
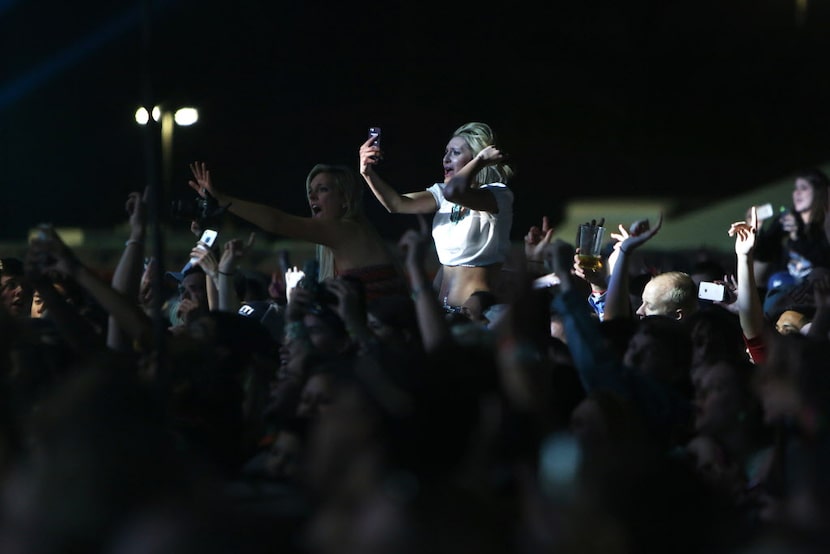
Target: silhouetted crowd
(344,406)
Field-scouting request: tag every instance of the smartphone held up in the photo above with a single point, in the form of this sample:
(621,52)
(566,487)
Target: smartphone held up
(207,239)
(708,290)
(374,133)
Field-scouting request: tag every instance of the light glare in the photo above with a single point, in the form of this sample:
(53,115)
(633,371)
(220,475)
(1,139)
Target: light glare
(141,116)
(186,116)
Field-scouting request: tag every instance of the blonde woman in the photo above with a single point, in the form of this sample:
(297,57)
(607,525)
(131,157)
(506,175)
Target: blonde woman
(473,210)
(347,243)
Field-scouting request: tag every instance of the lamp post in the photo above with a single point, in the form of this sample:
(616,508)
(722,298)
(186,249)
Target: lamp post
(184,117)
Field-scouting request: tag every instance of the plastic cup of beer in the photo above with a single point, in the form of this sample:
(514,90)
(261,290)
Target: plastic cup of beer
(589,245)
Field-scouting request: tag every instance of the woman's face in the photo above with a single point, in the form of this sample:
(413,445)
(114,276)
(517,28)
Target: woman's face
(802,195)
(457,155)
(324,197)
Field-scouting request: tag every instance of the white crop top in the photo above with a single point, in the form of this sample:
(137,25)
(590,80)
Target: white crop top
(476,238)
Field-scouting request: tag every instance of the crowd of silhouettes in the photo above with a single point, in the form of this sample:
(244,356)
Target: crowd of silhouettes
(515,402)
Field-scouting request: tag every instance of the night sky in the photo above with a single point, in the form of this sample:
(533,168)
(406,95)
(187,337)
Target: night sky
(700,99)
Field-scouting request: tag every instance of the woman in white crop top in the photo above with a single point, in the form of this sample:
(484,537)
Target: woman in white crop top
(473,210)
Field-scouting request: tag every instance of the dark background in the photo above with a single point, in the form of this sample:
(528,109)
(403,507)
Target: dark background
(700,99)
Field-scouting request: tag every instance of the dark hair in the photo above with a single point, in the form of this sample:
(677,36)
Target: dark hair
(11,266)
(193,269)
(723,331)
(820,183)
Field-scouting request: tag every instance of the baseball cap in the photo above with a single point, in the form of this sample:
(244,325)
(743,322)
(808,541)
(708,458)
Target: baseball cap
(781,279)
(267,313)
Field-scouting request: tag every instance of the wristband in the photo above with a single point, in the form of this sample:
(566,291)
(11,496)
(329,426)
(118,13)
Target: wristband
(133,241)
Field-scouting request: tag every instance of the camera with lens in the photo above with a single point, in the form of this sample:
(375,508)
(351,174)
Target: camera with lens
(201,210)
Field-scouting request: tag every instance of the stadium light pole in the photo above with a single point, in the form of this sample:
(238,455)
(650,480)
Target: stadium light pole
(168,119)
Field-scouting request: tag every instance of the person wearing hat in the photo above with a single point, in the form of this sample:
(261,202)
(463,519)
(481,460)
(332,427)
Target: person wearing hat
(192,301)
(16,296)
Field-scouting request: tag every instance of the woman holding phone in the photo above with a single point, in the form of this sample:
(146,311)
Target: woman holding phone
(796,241)
(347,243)
(473,210)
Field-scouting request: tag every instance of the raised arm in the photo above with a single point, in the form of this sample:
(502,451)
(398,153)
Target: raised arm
(421,202)
(233,253)
(433,326)
(54,255)
(328,232)
(592,357)
(617,302)
(207,261)
(78,331)
(127,275)
(460,188)
(750,309)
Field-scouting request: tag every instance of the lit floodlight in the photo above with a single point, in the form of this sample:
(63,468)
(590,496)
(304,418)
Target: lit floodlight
(156,113)
(186,116)
(141,116)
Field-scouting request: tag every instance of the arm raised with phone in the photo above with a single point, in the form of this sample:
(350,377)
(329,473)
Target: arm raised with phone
(473,208)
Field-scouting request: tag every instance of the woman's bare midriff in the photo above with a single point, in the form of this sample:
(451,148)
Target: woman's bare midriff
(459,282)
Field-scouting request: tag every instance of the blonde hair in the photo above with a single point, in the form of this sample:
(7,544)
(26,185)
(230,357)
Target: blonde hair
(479,136)
(345,182)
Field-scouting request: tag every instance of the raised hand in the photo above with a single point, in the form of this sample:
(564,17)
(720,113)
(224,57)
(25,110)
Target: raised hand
(205,259)
(745,233)
(644,234)
(185,309)
(293,275)
(233,251)
(730,285)
(789,224)
(348,306)
(47,253)
(136,209)
(491,155)
(370,155)
(414,244)
(203,182)
(561,256)
(537,239)
(596,276)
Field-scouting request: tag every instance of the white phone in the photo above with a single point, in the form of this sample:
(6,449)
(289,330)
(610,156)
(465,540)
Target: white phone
(764,211)
(711,291)
(208,238)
